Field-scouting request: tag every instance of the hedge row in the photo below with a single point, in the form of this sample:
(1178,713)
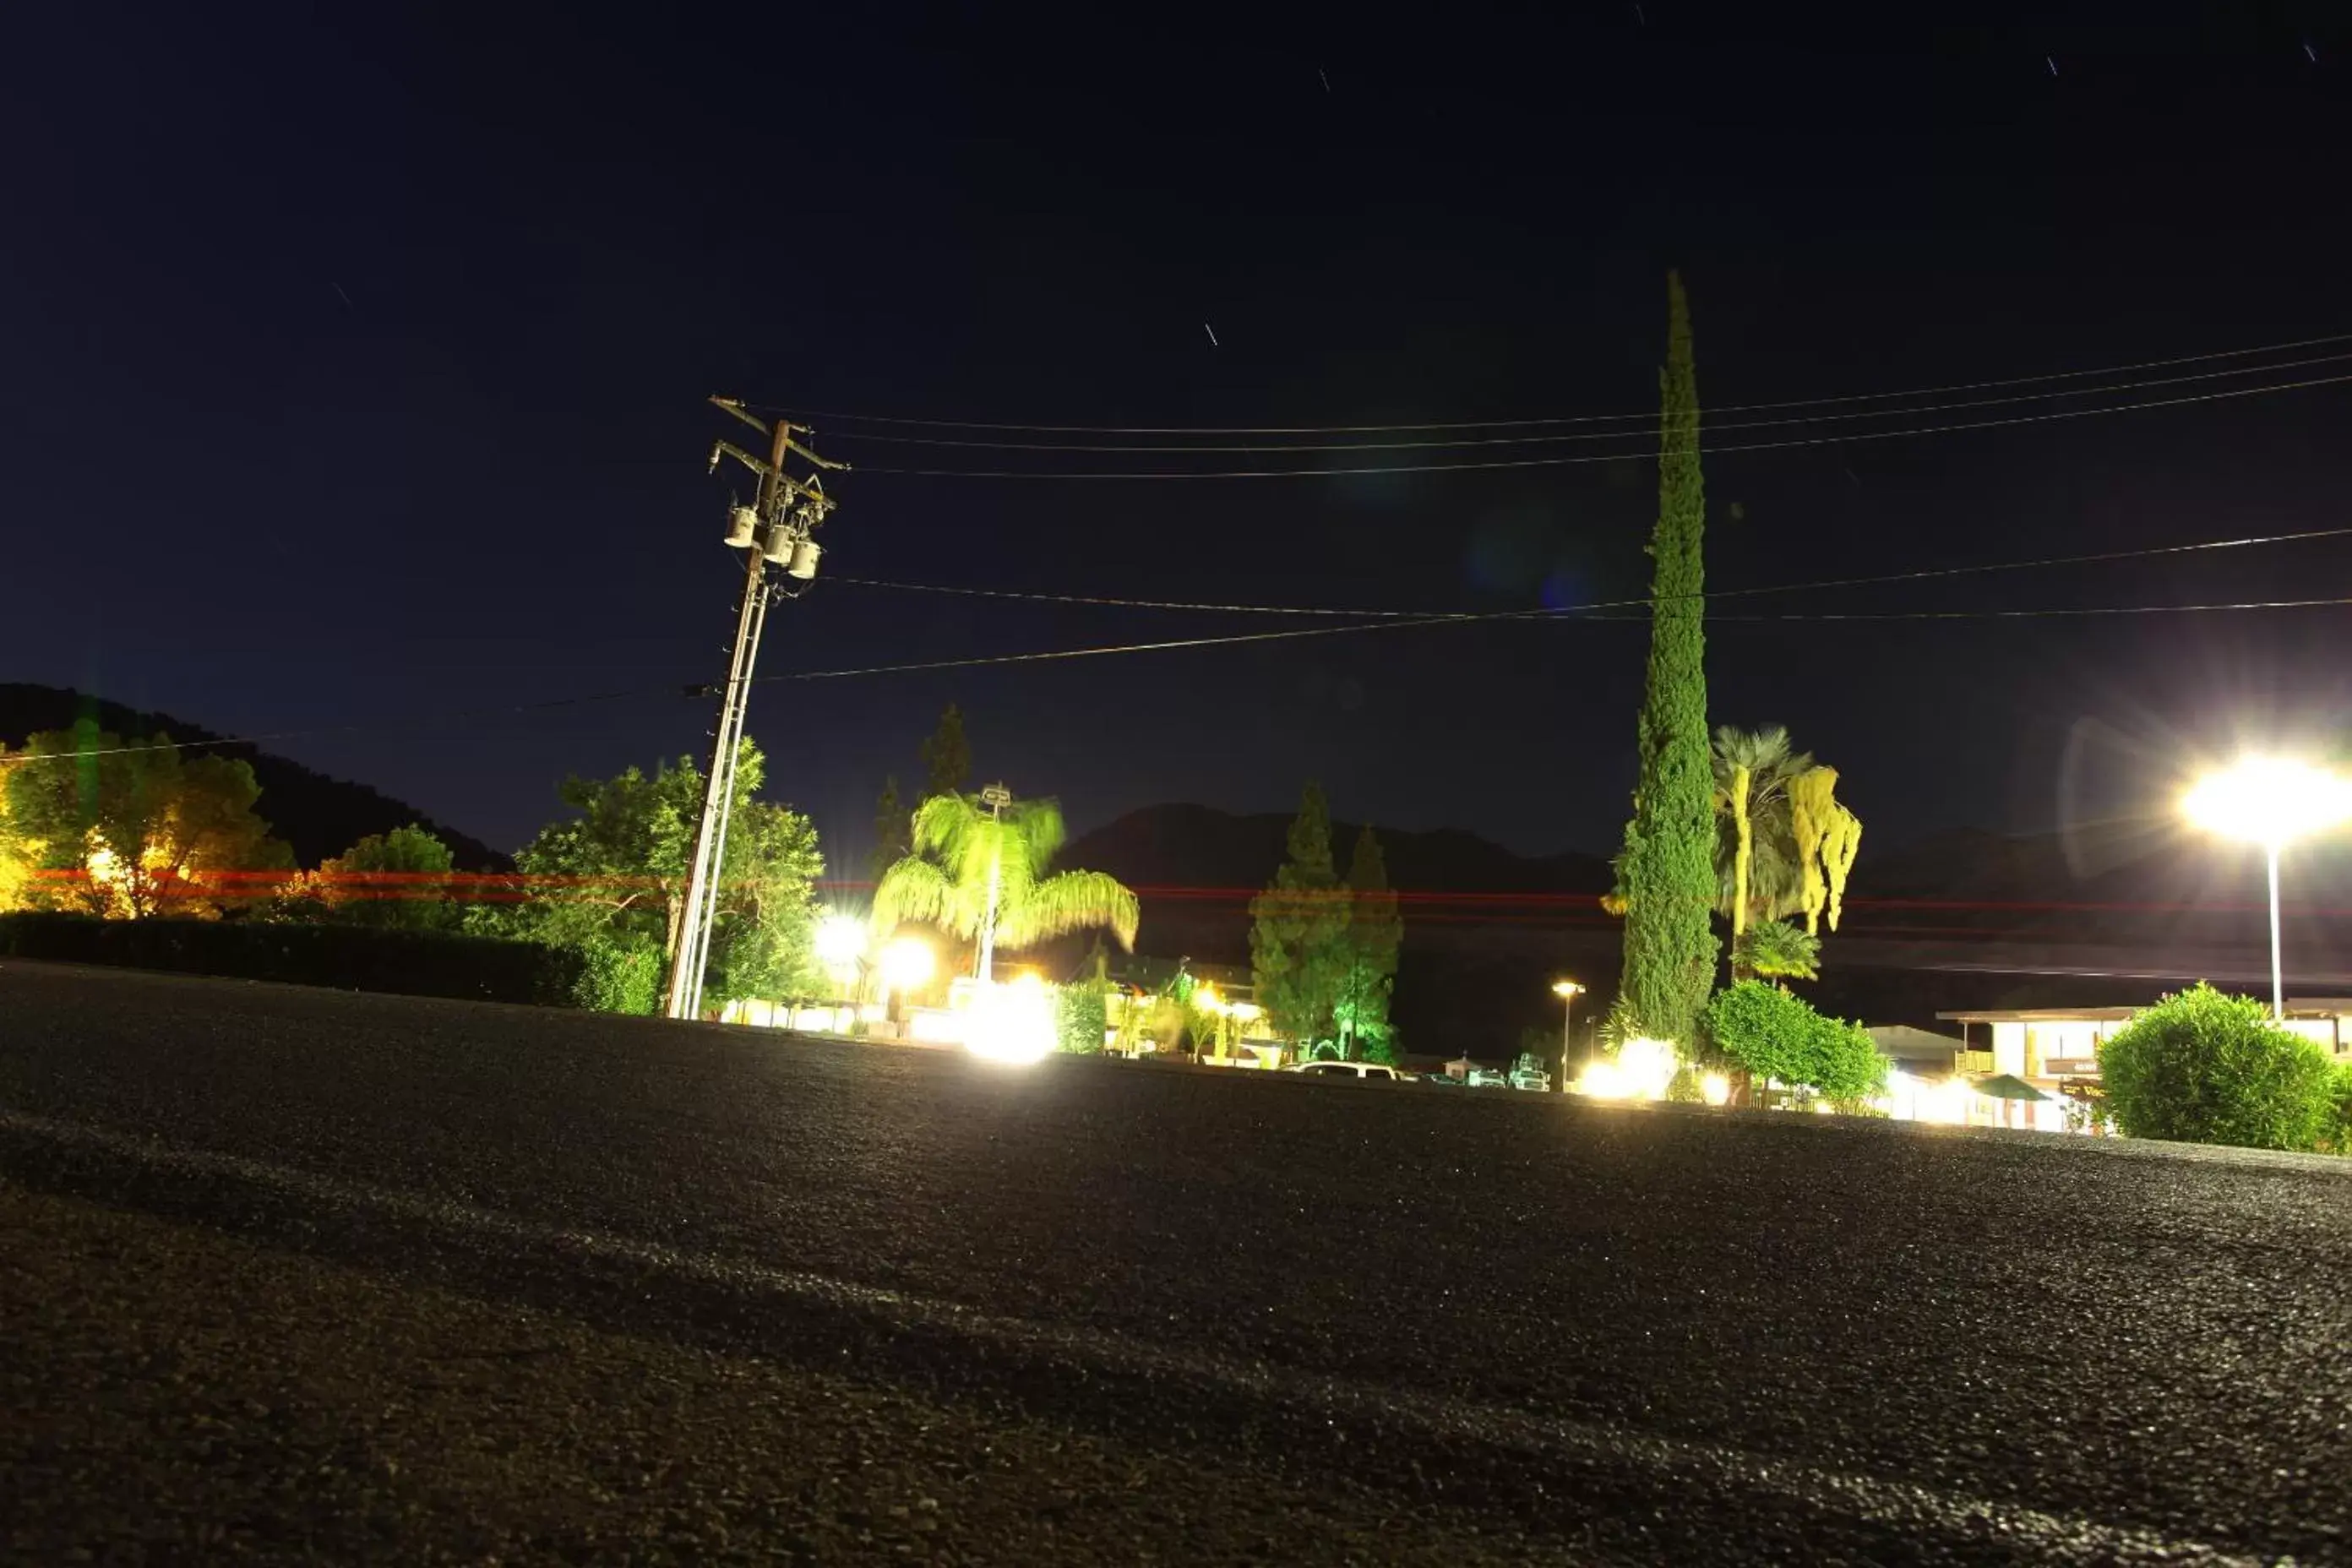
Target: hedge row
(351,958)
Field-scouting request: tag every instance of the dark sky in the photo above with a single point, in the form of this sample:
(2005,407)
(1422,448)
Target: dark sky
(354,369)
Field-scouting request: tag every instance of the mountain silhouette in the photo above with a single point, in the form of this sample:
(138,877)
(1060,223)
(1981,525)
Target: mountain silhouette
(317,815)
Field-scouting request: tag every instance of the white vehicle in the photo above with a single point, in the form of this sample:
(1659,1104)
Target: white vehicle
(1346,1069)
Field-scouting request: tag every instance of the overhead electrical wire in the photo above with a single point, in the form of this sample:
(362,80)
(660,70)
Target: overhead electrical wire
(2092,558)
(1390,620)
(1645,414)
(1452,443)
(1502,463)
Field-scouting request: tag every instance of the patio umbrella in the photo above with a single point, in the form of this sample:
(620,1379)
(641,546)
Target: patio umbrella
(2007,1086)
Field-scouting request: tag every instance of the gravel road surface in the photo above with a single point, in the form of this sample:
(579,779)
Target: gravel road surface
(294,1274)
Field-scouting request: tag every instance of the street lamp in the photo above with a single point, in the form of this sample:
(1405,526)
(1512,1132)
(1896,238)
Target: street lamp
(1568,991)
(2270,800)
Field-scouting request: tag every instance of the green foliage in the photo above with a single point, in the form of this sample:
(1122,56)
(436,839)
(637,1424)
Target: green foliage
(1778,950)
(1772,1035)
(613,877)
(2204,1067)
(1752,772)
(1668,865)
(2336,1138)
(1359,1011)
(1299,948)
(395,880)
(959,844)
(947,757)
(139,828)
(1688,1087)
(617,976)
(1081,1018)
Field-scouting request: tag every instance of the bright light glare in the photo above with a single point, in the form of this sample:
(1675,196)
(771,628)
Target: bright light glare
(1013,1022)
(840,941)
(1566,988)
(2269,800)
(1641,1071)
(907,962)
(1715,1089)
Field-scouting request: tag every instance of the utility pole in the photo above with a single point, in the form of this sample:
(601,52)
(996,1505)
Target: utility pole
(996,797)
(776,528)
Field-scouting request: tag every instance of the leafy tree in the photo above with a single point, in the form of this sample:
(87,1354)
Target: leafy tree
(1776,949)
(892,822)
(395,881)
(1668,863)
(2337,1137)
(1299,949)
(2202,1067)
(140,827)
(947,757)
(16,856)
(970,862)
(1769,1033)
(1375,932)
(612,880)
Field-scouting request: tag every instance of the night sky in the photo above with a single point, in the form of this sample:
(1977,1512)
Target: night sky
(354,370)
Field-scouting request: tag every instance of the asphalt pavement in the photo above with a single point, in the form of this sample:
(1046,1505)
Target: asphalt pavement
(295,1274)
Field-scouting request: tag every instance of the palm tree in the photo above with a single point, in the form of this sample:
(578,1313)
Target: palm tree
(1756,858)
(977,872)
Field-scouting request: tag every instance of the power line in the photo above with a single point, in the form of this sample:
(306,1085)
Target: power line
(1056,654)
(1390,619)
(2098,557)
(1563,419)
(1500,463)
(1454,443)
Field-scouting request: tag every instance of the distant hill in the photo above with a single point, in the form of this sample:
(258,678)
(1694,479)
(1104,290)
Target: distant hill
(1200,848)
(317,815)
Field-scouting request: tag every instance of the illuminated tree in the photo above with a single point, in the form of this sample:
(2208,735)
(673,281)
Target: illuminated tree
(1375,932)
(612,881)
(979,873)
(15,858)
(1299,951)
(396,880)
(1827,837)
(1667,869)
(133,829)
(1784,843)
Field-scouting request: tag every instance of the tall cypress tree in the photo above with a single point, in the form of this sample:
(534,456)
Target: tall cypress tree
(1668,867)
(1375,932)
(1298,932)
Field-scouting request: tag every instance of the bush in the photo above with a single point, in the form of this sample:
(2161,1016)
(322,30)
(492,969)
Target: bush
(2337,1138)
(1772,1035)
(1081,1018)
(2202,1067)
(617,977)
(351,958)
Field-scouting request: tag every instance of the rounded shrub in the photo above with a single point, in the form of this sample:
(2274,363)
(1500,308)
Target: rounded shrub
(2202,1067)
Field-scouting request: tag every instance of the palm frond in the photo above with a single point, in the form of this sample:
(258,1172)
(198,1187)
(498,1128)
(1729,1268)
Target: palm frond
(916,890)
(1073,900)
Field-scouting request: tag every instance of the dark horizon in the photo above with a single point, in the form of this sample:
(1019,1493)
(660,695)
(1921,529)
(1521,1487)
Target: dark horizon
(360,368)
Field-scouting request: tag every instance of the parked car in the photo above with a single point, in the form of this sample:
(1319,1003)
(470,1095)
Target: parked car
(1488,1077)
(1530,1078)
(1379,1071)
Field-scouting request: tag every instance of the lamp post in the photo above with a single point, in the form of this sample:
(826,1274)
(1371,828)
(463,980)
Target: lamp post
(2270,800)
(1567,990)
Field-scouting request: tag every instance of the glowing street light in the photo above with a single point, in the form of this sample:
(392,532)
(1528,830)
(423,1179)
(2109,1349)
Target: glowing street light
(2270,800)
(1567,990)
(840,941)
(908,962)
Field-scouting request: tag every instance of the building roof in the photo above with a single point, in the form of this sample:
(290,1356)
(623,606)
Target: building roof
(1908,1044)
(2296,1008)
